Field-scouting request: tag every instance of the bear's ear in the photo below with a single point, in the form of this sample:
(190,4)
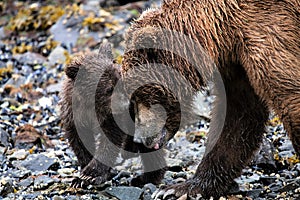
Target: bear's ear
(105,50)
(72,69)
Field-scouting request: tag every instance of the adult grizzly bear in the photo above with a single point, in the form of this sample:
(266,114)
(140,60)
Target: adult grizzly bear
(255,46)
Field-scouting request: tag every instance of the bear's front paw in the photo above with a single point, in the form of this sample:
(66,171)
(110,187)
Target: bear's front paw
(95,173)
(178,191)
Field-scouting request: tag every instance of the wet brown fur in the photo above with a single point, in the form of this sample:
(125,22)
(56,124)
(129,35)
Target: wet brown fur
(79,120)
(89,123)
(256,47)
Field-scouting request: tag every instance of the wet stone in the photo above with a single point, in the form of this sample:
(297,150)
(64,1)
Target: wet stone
(266,180)
(265,157)
(124,193)
(3,33)
(64,35)
(65,171)
(180,175)
(16,81)
(254,193)
(37,163)
(19,155)
(6,187)
(26,182)
(290,186)
(58,198)
(54,88)
(4,137)
(43,182)
(30,58)
(32,196)
(174,163)
(58,55)
(275,187)
(15,173)
(296,167)
(45,102)
(148,189)
(289,174)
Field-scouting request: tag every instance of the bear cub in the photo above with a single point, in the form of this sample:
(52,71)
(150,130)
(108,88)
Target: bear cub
(90,125)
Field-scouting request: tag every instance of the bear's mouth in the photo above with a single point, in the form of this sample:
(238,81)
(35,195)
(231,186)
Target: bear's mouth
(157,141)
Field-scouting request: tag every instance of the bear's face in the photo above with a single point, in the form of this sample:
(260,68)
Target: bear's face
(150,125)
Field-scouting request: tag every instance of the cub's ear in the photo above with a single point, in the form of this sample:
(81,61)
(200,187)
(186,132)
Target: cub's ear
(72,69)
(105,50)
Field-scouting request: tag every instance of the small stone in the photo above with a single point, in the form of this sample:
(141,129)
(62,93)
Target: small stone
(267,180)
(265,156)
(174,163)
(42,182)
(32,195)
(4,104)
(19,155)
(275,187)
(179,180)
(57,56)
(148,189)
(58,198)
(180,175)
(26,182)
(30,58)
(254,193)
(202,105)
(54,88)
(6,187)
(60,33)
(66,171)
(36,163)
(124,193)
(45,102)
(3,33)
(290,186)
(4,137)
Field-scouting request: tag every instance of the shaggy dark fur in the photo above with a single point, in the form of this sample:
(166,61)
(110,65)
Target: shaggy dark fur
(256,47)
(89,123)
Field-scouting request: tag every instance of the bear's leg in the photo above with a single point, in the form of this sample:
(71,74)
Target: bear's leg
(275,77)
(286,103)
(230,145)
(99,168)
(287,106)
(84,156)
(154,167)
(292,123)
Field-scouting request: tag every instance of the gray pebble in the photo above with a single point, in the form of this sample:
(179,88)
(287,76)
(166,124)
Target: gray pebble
(125,193)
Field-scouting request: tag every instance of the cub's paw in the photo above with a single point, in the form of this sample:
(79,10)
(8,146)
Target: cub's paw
(95,173)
